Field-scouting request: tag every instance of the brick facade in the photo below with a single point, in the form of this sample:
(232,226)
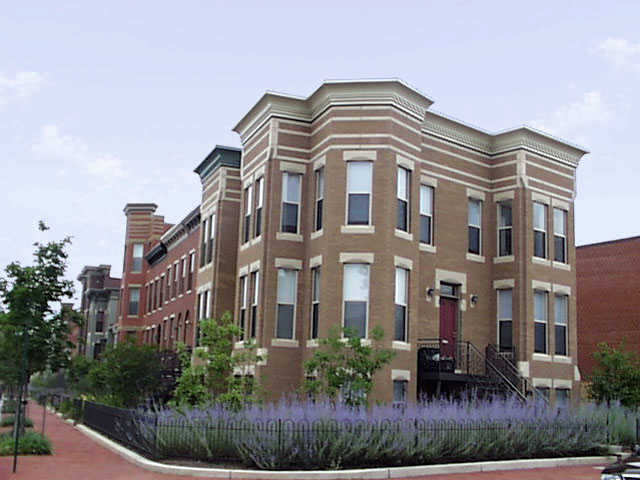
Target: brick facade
(608,282)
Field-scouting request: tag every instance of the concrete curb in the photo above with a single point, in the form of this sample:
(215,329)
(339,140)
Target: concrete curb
(369,473)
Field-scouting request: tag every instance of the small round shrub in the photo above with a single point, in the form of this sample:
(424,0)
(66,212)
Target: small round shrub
(31,443)
(9,421)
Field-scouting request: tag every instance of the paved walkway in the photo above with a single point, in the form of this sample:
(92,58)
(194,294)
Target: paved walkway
(76,457)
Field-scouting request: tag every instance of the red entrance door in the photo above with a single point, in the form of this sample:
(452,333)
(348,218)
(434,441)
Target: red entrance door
(448,327)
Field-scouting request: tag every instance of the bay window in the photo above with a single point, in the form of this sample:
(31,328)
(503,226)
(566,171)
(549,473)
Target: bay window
(426,214)
(287,291)
(403,193)
(355,292)
(540,321)
(290,202)
(401,299)
(315,301)
(505,229)
(561,321)
(359,193)
(559,235)
(505,320)
(475,226)
(539,230)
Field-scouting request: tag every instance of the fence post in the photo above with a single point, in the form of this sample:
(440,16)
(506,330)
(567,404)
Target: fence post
(637,429)
(155,435)
(608,430)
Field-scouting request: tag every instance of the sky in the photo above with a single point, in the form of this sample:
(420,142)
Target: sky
(104,103)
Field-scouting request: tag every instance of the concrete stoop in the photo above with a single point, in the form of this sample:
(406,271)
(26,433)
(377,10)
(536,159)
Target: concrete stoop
(369,473)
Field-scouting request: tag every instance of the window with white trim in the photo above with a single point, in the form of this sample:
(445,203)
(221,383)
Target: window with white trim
(257,230)
(355,291)
(319,199)
(426,214)
(505,229)
(243,304)
(203,243)
(475,226)
(286,309)
(561,317)
(315,301)
(246,229)
(505,320)
(255,281)
(359,193)
(134,300)
(539,230)
(168,284)
(401,299)
(176,275)
(400,393)
(148,293)
(212,234)
(559,235)
(403,193)
(192,264)
(183,278)
(138,249)
(290,202)
(540,301)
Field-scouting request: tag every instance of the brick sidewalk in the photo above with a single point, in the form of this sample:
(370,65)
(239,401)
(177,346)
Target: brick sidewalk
(76,457)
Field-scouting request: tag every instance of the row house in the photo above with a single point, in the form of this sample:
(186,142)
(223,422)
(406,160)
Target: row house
(359,206)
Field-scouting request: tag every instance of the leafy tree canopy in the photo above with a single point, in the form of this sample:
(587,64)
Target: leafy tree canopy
(29,295)
(616,376)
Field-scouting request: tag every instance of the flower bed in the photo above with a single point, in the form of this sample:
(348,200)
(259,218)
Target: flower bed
(319,436)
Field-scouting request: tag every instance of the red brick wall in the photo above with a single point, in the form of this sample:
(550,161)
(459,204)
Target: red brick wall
(608,297)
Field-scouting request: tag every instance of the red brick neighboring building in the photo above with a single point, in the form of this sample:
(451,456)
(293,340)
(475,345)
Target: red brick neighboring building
(158,277)
(608,282)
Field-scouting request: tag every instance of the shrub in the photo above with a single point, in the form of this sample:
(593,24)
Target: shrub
(9,406)
(10,420)
(292,435)
(31,443)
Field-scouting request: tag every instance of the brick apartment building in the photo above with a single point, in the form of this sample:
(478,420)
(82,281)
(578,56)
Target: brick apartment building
(608,284)
(99,306)
(358,206)
(159,276)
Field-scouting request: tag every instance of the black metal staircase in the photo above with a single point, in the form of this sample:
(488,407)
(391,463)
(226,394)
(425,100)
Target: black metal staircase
(441,360)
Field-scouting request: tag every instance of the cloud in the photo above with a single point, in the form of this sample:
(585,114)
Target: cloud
(55,144)
(620,52)
(20,87)
(574,118)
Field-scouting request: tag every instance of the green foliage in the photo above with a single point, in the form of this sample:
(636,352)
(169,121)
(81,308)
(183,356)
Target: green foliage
(616,376)
(29,294)
(77,374)
(344,366)
(9,406)
(31,443)
(126,375)
(212,376)
(10,420)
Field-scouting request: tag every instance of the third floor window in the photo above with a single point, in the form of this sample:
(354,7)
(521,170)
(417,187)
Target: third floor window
(257,231)
(291,202)
(559,235)
(539,230)
(475,226)
(319,199)
(426,214)
(403,194)
(248,204)
(505,229)
(359,193)
(138,248)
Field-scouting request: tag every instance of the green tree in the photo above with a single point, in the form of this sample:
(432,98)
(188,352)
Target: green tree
(616,376)
(344,366)
(126,375)
(219,373)
(34,337)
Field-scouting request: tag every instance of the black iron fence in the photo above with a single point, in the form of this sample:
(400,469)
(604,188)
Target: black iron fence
(214,439)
